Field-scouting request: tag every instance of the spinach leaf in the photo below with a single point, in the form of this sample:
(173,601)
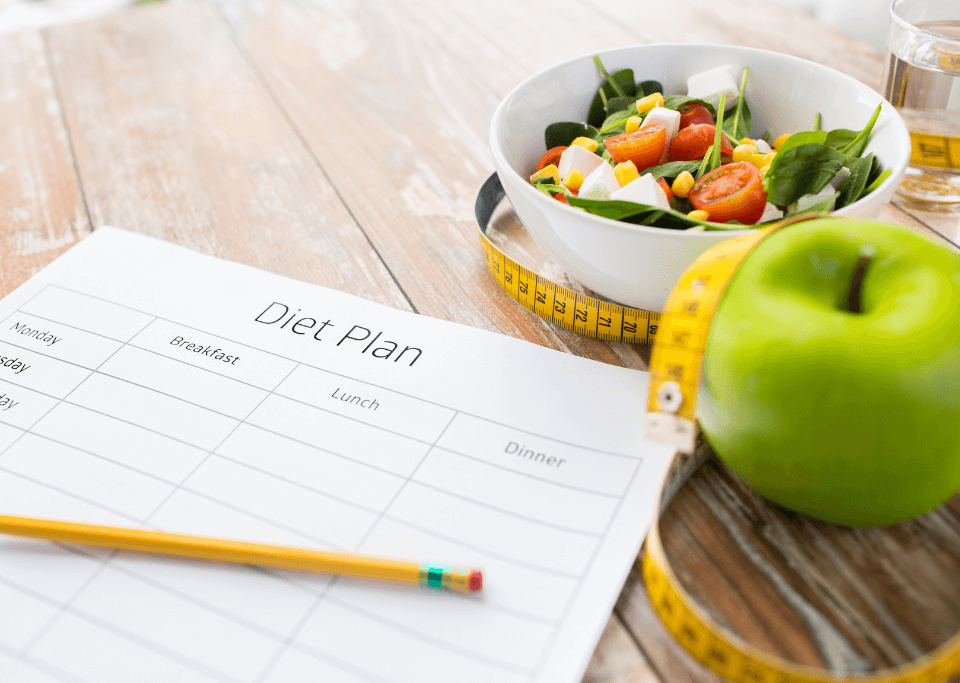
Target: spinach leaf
(616,122)
(738,127)
(874,172)
(672,169)
(621,104)
(852,143)
(805,138)
(563,133)
(824,206)
(643,214)
(677,101)
(816,122)
(800,170)
(619,84)
(852,187)
(840,137)
(648,88)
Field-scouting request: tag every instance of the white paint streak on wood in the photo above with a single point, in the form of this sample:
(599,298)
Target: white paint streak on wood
(41,210)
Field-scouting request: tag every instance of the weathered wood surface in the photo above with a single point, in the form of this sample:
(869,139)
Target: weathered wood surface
(176,137)
(41,210)
(342,144)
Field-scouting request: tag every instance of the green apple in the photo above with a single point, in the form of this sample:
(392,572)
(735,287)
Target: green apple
(849,416)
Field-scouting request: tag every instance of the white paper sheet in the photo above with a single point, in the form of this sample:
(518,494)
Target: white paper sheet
(145,385)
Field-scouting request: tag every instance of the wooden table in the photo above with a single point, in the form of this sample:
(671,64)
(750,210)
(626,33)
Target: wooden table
(343,144)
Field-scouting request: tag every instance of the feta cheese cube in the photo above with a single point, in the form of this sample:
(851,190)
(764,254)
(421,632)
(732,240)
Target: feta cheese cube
(762,146)
(770,212)
(600,184)
(643,190)
(838,179)
(668,118)
(579,158)
(710,85)
(808,200)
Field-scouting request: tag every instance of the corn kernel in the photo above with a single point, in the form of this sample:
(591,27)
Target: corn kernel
(780,140)
(586,143)
(699,214)
(682,184)
(645,104)
(633,123)
(763,171)
(574,180)
(550,171)
(743,152)
(758,160)
(768,158)
(626,172)
(747,141)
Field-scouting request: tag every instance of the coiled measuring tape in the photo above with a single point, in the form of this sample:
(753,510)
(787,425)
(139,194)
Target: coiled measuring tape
(679,336)
(555,303)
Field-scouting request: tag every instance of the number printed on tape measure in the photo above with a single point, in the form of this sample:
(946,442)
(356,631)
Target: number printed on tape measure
(566,308)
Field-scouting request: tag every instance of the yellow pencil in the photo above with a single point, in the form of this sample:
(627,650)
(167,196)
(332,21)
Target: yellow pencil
(220,550)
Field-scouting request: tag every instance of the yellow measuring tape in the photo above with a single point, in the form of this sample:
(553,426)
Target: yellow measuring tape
(555,303)
(679,336)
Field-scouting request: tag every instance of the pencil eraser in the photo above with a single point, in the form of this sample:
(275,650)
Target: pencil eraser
(476,580)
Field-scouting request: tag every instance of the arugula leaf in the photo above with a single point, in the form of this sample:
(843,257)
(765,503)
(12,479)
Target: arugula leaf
(613,83)
(876,183)
(648,88)
(800,169)
(816,122)
(824,206)
(677,101)
(711,159)
(739,129)
(563,133)
(852,187)
(643,214)
(546,186)
(739,126)
(671,169)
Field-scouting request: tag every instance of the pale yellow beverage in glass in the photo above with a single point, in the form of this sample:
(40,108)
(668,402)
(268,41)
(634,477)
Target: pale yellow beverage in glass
(923,83)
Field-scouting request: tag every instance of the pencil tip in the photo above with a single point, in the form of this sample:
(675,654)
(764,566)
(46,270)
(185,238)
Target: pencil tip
(476,580)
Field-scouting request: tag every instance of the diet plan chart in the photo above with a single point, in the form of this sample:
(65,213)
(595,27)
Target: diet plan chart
(144,385)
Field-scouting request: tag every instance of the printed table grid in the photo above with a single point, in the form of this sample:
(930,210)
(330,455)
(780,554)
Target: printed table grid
(288,641)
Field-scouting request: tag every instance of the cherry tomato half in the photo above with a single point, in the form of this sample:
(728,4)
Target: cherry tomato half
(552,156)
(693,113)
(693,142)
(730,192)
(665,186)
(643,147)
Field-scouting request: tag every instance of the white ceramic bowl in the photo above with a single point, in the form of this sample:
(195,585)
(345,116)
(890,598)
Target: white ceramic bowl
(638,265)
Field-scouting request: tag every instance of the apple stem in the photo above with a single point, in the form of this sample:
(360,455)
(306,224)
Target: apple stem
(854,305)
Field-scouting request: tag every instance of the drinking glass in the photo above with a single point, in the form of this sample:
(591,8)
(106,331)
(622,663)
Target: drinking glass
(923,83)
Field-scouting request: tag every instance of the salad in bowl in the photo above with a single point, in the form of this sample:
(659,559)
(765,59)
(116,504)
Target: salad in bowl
(633,249)
(692,160)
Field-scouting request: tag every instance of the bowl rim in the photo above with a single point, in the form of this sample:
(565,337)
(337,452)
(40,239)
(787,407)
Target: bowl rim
(500,161)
